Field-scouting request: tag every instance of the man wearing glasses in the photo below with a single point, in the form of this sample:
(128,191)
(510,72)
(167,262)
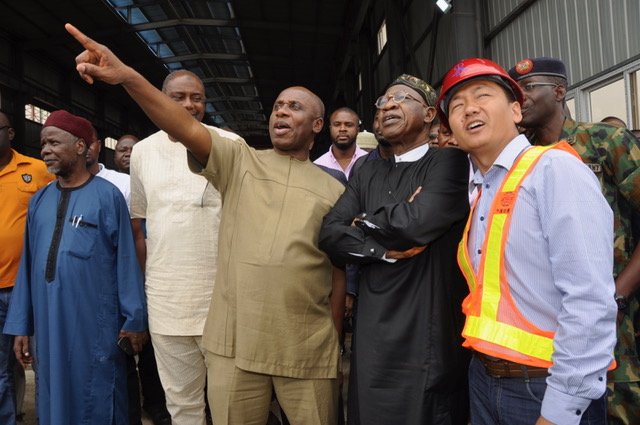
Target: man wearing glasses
(613,155)
(401,221)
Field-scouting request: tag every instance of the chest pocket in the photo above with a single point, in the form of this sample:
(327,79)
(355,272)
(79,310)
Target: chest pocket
(81,234)
(25,192)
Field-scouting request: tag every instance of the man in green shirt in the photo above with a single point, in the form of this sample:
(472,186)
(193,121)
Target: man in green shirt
(613,154)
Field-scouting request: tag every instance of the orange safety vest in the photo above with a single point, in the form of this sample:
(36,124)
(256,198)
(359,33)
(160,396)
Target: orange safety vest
(494,325)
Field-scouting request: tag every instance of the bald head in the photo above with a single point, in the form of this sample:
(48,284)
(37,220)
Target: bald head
(127,138)
(122,154)
(296,117)
(315,102)
(179,73)
(186,88)
(614,121)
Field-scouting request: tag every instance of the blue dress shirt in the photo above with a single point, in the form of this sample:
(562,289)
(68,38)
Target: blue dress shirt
(559,263)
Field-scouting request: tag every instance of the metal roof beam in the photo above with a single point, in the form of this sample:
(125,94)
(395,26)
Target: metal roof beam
(248,124)
(147,3)
(227,80)
(184,22)
(237,111)
(233,98)
(260,25)
(205,56)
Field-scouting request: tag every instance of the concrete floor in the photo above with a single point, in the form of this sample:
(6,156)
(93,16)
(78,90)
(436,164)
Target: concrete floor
(29,406)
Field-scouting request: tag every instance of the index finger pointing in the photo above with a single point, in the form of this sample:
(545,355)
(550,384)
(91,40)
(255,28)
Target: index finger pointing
(86,42)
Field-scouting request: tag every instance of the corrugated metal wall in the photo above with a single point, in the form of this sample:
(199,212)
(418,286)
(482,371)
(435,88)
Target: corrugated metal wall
(590,36)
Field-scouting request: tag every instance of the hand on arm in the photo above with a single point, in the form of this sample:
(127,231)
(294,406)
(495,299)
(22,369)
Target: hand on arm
(138,339)
(428,211)
(97,62)
(414,194)
(411,252)
(403,255)
(21,350)
(345,232)
(360,218)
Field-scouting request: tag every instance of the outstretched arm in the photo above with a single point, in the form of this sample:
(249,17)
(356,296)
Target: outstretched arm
(97,62)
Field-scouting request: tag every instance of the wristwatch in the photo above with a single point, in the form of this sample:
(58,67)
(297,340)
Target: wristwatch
(622,302)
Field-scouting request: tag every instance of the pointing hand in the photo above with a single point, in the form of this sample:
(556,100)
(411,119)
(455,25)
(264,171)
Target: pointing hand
(97,62)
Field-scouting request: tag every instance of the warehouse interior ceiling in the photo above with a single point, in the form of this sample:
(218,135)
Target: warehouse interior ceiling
(245,51)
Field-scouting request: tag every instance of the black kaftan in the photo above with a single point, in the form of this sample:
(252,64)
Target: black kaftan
(408,363)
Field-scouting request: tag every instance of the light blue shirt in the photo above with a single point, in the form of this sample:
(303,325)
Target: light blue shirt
(559,263)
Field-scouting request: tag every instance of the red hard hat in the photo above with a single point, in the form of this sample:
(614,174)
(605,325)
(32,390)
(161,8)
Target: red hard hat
(468,69)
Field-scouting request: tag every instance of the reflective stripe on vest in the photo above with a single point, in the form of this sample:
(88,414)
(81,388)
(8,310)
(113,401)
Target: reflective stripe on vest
(489,303)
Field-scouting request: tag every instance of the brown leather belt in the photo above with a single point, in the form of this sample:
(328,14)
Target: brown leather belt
(499,368)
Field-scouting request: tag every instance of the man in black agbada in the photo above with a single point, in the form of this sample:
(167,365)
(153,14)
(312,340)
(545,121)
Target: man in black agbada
(401,220)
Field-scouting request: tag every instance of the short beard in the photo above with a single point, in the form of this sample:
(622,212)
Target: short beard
(344,146)
(384,143)
(54,170)
(62,170)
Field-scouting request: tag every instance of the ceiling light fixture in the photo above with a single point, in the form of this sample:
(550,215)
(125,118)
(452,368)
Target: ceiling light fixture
(444,5)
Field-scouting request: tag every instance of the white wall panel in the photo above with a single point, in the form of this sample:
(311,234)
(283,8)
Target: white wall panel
(590,36)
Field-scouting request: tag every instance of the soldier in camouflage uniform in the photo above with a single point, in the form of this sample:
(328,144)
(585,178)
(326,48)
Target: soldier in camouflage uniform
(613,154)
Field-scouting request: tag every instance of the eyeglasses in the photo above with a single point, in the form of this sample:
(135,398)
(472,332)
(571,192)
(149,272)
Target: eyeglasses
(4,126)
(529,87)
(398,97)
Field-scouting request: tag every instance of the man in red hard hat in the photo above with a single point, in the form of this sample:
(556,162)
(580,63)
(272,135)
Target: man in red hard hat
(536,253)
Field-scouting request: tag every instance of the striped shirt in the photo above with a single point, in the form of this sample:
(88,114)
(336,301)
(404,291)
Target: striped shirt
(559,262)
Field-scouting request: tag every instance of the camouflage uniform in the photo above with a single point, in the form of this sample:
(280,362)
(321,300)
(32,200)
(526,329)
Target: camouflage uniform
(613,154)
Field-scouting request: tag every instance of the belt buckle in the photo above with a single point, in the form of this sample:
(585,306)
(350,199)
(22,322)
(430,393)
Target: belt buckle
(505,371)
(500,368)
(495,367)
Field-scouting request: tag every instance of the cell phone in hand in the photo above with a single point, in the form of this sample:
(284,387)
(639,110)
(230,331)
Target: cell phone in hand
(125,345)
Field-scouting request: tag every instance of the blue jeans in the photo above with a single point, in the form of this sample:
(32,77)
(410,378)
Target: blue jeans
(514,401)
(7,360)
